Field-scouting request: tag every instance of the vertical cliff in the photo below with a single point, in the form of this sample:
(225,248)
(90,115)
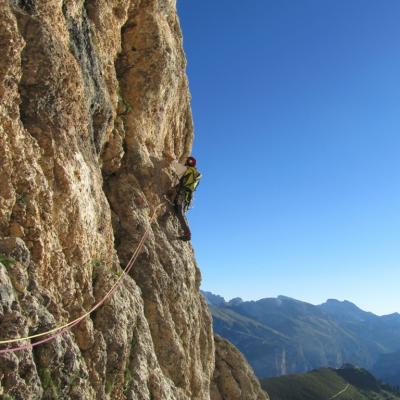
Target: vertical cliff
(94,106)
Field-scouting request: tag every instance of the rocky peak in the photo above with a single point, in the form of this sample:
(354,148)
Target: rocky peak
(235,302)
(213,299)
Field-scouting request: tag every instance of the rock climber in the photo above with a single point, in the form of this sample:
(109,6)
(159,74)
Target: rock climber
(189,178)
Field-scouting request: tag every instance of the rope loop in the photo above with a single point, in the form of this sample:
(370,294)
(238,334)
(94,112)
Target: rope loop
(60,330)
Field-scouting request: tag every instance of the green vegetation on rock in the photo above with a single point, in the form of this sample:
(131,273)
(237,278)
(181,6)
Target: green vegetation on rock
(109,386)
(47,382)
(7,397)
(8,262)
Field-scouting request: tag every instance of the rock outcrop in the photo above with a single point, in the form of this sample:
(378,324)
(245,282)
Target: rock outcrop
(94,106)
(233,377)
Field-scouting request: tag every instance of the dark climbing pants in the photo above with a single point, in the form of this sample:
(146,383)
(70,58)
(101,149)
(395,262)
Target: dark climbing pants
(180,207)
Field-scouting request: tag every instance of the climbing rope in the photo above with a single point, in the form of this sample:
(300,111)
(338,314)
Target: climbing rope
(60,330)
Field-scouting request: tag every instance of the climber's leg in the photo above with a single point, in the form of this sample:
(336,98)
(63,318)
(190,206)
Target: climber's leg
(180,204)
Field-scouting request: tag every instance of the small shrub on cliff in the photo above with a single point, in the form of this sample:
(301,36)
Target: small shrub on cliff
(21,199)
(124,108)
(47,382)
(109,387)
(8,262)
(128,378)
(7,397)
(96,263)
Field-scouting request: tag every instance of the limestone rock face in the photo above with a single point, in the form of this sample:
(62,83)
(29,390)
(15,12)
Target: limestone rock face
(94,105)
(233,377)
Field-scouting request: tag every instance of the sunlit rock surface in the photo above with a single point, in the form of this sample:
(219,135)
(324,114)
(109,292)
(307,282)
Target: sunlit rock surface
(233,377)
(94,106)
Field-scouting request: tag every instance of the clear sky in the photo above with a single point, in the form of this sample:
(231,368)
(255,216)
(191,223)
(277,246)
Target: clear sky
(296,106)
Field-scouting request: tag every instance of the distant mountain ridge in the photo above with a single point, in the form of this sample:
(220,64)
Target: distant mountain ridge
(282,335)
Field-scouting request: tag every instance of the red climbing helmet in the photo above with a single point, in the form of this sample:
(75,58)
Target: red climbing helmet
(191,162)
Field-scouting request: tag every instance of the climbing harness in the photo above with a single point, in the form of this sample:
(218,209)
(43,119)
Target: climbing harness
(60,330)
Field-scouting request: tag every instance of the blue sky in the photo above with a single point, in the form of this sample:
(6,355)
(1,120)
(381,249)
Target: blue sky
(296,105)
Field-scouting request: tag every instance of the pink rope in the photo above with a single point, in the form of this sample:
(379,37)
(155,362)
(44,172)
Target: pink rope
(39,342)
(96,306)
